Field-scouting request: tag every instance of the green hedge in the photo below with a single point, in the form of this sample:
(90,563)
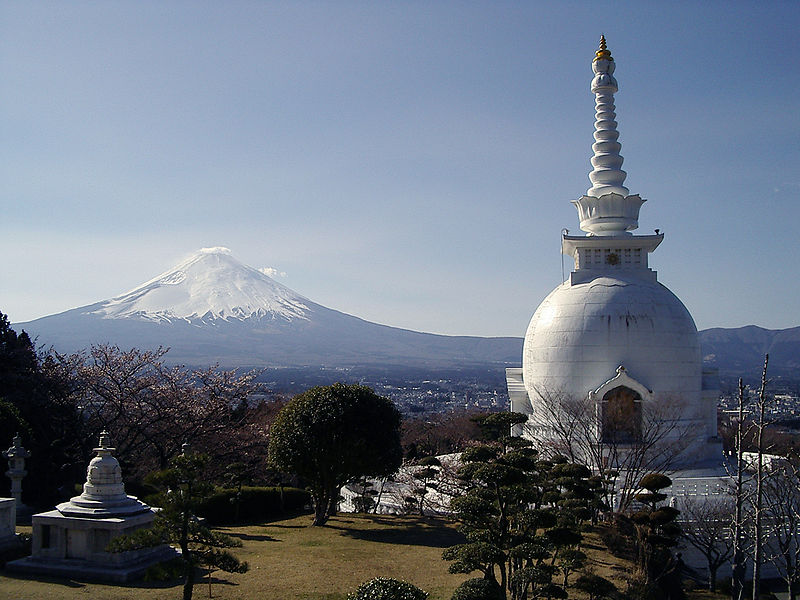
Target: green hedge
(255,504)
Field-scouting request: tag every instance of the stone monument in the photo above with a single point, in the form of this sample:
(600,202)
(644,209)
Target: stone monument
(16,456)
(8,521)
(71,540)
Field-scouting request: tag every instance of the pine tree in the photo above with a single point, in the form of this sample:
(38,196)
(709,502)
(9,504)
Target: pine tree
(184,488)
(521,515)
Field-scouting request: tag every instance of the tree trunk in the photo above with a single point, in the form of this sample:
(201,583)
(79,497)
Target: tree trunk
(378,499)
(186,554)
(320,515)
(320,502)
(333,502)
(738,567)
(758,532)
(712,579)
(188,583)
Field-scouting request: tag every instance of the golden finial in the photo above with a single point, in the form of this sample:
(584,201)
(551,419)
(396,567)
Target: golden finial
(603,53)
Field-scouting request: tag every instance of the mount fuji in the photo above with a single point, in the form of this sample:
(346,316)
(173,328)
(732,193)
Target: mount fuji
(208,287)
(211,309)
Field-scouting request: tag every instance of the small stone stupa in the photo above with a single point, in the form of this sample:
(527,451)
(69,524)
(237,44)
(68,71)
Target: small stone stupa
(71,540)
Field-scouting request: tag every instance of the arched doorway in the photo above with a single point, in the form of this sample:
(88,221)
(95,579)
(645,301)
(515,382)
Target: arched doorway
(621,416)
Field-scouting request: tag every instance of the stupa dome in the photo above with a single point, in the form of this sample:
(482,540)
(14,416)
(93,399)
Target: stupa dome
(104,491)
(582,332)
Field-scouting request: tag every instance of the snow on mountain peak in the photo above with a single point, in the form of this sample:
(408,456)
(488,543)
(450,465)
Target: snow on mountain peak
(211,284)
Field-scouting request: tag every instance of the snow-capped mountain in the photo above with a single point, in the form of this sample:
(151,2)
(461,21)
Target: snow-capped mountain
(211,308)
(210,285)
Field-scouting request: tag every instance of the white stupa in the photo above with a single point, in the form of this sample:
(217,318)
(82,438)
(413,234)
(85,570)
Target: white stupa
(612,334)
(71,540)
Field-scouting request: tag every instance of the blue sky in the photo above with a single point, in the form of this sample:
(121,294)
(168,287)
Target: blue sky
(410,163)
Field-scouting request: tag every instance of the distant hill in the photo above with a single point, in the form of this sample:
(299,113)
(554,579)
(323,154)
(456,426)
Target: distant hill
(740,352)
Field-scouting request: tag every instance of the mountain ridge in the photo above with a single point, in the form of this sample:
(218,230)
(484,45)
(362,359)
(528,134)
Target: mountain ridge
(740,351)
(212,309)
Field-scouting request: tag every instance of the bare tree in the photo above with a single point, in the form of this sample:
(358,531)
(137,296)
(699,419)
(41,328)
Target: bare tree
(706,525)
(574,427)
(739,492)
(442,433)
(782,513)
(760,479)
(748,490)
(152,408)
(567,424)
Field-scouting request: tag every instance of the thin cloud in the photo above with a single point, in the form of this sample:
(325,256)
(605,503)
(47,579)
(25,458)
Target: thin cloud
(272,272)
(216,250)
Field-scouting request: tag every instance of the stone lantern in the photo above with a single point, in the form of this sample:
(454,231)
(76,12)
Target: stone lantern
(16,456)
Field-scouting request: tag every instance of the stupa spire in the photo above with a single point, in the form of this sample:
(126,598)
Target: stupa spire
(607,176)
(607,208)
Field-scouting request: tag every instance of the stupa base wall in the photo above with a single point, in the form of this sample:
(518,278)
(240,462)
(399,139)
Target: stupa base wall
(75,547)
(82,570)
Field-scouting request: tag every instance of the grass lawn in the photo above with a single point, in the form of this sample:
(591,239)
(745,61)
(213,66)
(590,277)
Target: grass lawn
(290,560)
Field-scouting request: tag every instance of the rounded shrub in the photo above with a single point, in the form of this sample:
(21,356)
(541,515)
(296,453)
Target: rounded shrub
(600,587)
(385,588)
(478,589)
(653,482)
(664,515)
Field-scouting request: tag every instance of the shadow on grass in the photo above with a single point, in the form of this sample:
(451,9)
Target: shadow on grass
(252,537)
(432,532)
(214,581)
(142,584)
(77,584)
(594,546)
(284,516)
(70,583)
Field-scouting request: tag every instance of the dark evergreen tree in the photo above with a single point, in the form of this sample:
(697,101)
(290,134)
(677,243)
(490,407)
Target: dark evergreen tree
(521,516)
(333,434)
(595,587)
(657,533)
(50,427)
(19,365)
